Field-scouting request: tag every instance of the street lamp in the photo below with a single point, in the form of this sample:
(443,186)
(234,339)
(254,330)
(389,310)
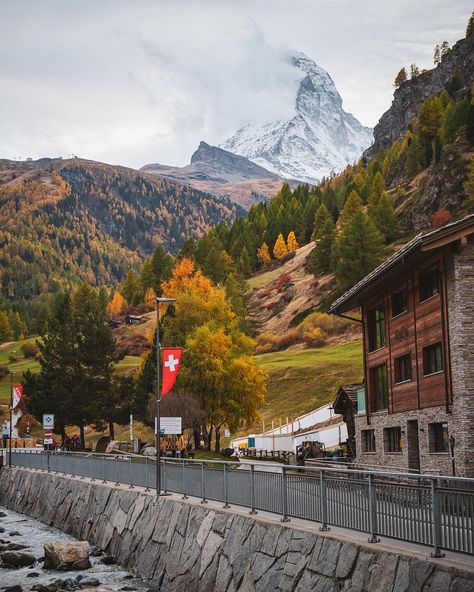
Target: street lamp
(159,300)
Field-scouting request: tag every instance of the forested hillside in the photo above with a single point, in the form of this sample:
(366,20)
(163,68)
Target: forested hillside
(68,221)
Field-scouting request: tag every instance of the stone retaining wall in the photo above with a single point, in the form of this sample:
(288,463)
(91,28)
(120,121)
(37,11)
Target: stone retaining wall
(187,547)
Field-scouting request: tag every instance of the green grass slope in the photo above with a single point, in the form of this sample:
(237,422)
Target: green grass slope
(303,380)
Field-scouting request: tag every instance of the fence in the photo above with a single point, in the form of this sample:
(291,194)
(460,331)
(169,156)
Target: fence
(425,509)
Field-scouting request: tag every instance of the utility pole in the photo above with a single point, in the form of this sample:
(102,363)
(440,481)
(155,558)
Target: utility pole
(159,300)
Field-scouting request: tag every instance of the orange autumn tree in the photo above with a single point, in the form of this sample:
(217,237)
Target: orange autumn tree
(263,254)
(150,297)
(280,249)
(117,305)
(292,242)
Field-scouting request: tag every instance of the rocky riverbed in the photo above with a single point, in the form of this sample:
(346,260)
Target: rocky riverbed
(22,541)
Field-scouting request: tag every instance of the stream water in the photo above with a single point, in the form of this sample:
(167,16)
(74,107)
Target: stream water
(35,534)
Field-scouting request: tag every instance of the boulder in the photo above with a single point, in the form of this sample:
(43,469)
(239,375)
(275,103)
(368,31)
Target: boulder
(17,559)
(92,582)
(67,555)
(15,547)
(52,586)
(16,588)
(149,451)
(107,560)
(2,515)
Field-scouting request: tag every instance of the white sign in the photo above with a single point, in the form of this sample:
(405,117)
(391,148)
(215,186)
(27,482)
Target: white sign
(227,433)
(48,421)
(170,425)
(48,441)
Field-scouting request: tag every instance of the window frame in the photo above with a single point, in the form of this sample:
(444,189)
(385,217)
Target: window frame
(394,295)
(436,437)
(376,338)
(368,436)
(396,368)
(374,382)
(433,271)
(392,440)
(426,354)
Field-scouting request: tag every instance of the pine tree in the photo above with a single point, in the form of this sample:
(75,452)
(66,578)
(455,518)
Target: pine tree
(351,207)
(400,78)
(162,264)
(470,26)
(445,49)
(437,55)
(6,333)
(414,71)
(244,265)
(117,305)
(359,248)
(263,255)
(132,289)
(292,242)
(376,190)
(429,123)
(385,218)
(280,249)
(319,260)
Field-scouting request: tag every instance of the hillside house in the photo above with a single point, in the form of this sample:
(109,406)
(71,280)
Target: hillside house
(418,327)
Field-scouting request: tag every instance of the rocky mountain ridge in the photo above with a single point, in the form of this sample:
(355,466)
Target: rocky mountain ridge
(320,138)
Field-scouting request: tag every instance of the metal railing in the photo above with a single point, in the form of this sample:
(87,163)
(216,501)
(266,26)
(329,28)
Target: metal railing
(425,509)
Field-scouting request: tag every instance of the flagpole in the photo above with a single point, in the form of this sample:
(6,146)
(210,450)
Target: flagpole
(11,421)
(158,391)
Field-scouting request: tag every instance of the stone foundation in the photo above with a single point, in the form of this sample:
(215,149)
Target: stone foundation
(185,546)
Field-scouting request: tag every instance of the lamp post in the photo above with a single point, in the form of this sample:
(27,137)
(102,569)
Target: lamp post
(159,300)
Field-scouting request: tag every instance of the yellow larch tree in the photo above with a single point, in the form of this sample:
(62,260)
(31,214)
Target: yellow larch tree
(280,249)
(263,254)
(116,305)
(292,242)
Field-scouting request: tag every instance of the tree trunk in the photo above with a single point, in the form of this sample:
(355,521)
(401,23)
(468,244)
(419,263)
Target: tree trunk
(196,435)
(82,436)
(209,438)
(218,439)
(111,430)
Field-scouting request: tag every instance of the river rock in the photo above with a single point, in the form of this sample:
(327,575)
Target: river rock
(16,588)
(67,555)
(51,586)
(17,559)
(15,547)
(107,560)
(2,530)
(2,515)
(15,533)
(32,574)
(93,582)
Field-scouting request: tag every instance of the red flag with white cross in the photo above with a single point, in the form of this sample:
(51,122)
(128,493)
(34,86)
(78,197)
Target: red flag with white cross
(171,357)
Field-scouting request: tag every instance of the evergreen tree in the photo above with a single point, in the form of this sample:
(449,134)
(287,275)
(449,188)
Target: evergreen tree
(470,26)
(6,333)
(244,265)
(429,123)
(263,254)
(385,218)
(280,249)
(132,289)
(445,49)
(414,71)
(400,78)
(292,242)
(437,55)
(162,264)
(319,260)
(359,248)
(187,250)
(352,206)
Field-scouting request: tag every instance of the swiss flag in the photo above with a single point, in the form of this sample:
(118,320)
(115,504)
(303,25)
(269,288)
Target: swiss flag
(171,363)
(17,394)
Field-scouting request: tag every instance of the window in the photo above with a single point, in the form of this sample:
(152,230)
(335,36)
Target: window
(438,437)
(399,302)
(429,284)
(392,439)
(432,359)
(376,326)
(361,402)
(403,368)
(379,385)
(368,440)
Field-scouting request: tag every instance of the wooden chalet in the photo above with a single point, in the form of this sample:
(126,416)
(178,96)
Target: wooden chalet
(418,327)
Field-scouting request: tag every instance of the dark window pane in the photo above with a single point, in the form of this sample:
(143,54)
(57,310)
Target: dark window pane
(392,439)
(432,359)
(376,327)
(439,437)
(403,368)
(399,302)
(429,284)
(380,387)
(368,440)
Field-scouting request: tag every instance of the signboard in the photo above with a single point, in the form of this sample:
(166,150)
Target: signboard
(48,437)
(170,425)
(48,421)
(227,433)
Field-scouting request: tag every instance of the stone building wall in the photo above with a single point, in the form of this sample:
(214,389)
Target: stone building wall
(184,546)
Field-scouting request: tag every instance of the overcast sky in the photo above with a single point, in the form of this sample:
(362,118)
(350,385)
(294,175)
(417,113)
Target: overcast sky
(137,81)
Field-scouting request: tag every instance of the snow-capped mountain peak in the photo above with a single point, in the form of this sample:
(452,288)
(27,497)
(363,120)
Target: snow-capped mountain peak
(318,140)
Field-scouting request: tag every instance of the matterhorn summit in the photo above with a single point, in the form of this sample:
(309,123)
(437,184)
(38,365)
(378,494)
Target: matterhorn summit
(319,139)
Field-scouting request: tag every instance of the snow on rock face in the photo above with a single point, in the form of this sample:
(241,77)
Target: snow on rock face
(318,140)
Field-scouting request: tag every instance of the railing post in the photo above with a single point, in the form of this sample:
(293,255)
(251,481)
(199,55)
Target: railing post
(226,504)
(47,461)
(284,495)
(184,496)
(146,475)
(324,501)
(203,493)
(252,489)
(116,472)
(131,476)
(372,511)
(435,520)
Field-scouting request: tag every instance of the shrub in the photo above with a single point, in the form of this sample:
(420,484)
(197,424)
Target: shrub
(267,342)
(12,358)
(329,324)
(29,350)
(440,218)
(314,337)
(4,371)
